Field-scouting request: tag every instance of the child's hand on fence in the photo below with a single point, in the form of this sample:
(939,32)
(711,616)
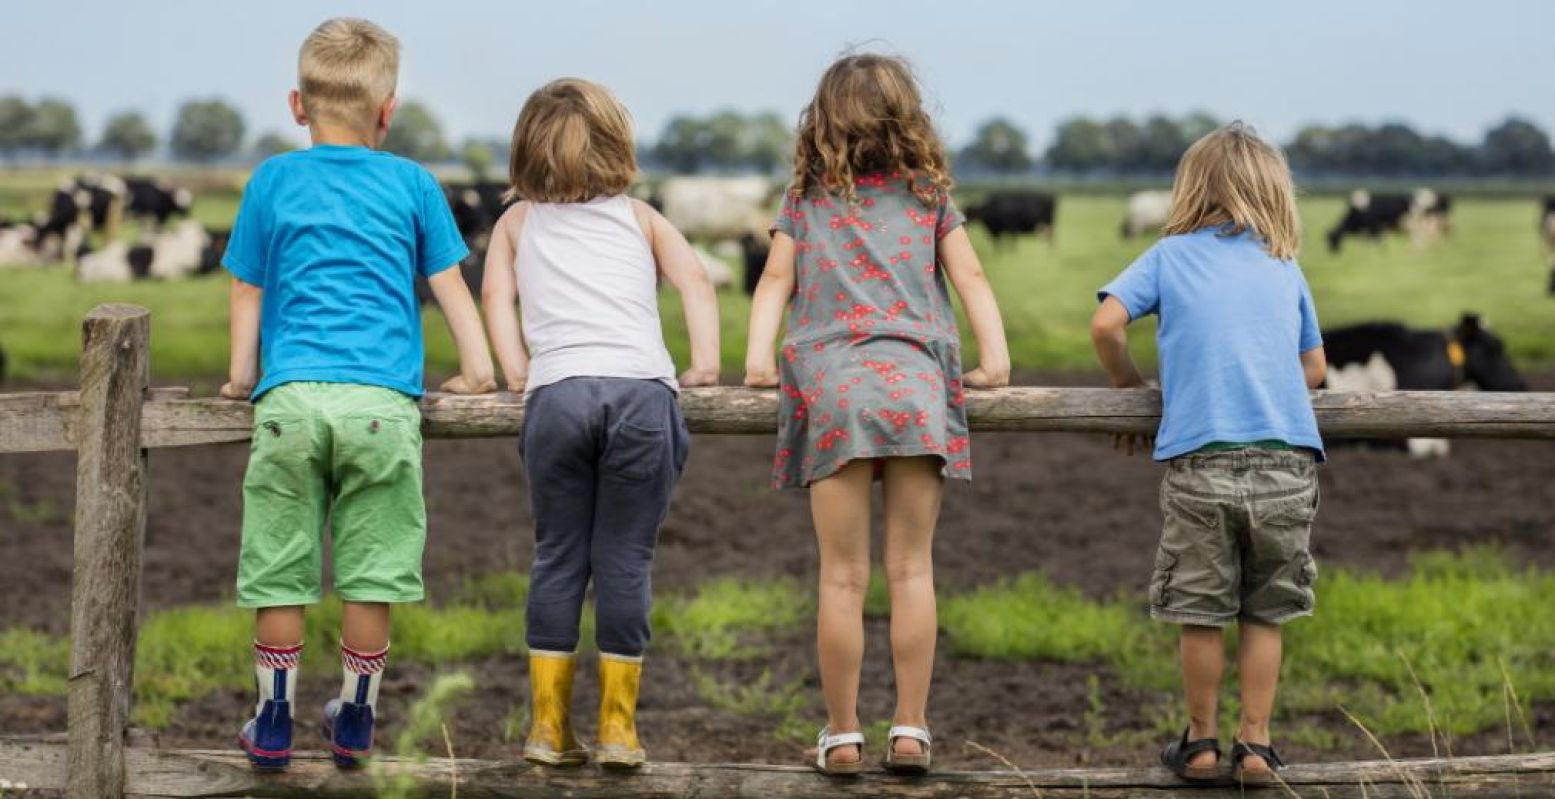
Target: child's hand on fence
(986,377)
(694,377)
(516,385)
(761,375)
(458,385)
(233,391)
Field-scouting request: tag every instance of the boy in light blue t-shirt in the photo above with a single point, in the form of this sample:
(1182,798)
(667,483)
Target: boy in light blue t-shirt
(1239,348)
(326,340)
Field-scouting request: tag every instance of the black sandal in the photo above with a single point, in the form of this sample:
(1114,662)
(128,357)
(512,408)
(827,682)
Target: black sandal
(1177,754)
(1262,776)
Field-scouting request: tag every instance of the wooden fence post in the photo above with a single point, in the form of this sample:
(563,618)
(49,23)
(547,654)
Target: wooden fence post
(110,528)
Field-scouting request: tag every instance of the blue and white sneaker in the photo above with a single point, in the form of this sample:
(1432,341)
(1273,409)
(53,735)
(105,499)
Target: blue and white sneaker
(348,727)
(267,738)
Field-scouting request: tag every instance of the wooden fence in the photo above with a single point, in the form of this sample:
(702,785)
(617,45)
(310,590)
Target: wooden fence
(116,417)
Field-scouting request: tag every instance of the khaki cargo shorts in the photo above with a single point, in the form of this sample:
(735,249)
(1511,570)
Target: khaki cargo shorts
(1235,539)
(344,456)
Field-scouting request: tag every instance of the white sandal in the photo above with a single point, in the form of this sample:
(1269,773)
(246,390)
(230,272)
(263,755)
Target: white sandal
(826,742)
(907,764)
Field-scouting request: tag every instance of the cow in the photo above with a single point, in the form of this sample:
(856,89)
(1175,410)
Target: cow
(183,250)
(1007,213)
(153,202)
(62,228)
(18,245)
(714,209)
(1386,356)
(476,208)
(105,195)
(754,248)
(1547,232)
(1425,214)
(1146,210)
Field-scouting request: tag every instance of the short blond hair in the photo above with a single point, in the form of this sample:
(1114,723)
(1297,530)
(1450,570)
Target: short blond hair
(1233,178)
(572,143)
(347,70)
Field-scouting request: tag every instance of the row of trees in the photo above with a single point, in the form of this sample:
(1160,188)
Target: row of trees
(210,130)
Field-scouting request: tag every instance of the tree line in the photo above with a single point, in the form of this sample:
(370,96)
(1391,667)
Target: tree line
(209,130)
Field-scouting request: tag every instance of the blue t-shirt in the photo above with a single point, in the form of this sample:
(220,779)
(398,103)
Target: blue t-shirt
(335,236)
(1233,324)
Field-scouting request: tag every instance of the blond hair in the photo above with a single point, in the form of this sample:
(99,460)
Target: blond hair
(572,143)
(867,116)
(1235,179)
(346,71)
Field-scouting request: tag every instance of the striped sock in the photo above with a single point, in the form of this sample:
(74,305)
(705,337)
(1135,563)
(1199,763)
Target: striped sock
(275,671)
(362,673)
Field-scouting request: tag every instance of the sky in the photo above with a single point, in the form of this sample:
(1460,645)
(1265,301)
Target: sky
(1446,67)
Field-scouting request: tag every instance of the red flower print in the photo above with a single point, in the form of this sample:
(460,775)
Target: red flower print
(905,240)
(958,445)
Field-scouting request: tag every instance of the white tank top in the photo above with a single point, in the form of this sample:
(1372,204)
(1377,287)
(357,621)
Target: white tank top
(588,293)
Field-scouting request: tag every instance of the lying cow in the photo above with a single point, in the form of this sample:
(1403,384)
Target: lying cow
(153,202)
(183,250)
(1015,213)
(1425,214)
(1146,210)
(1384,356)
(18,245)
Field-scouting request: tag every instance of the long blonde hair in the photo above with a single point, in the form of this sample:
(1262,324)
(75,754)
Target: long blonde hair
(1233,178)
(867,116)
(572,143)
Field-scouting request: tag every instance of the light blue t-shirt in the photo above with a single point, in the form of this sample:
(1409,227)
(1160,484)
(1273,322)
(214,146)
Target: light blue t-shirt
(335,236)
(1233,324)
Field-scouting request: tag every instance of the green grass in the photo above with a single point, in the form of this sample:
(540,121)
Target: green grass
(724,617)
(1492,263)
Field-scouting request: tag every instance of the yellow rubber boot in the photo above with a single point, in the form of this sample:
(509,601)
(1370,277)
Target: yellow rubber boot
(619,678)
(550,741)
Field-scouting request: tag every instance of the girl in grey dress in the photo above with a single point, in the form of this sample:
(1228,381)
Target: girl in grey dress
(870,373)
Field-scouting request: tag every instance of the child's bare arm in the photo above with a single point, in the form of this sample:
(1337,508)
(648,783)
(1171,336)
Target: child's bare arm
(464,321)
(1109,334)
(499,293)
(767,305)
(982,310)
(244,301)
(1314,364)
(679,264)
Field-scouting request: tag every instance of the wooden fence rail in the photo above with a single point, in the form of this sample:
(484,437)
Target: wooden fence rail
(114,418)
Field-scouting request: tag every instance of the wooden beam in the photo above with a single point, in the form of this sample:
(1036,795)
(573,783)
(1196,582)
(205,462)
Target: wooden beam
(110,530)
(202,773)
(45,421)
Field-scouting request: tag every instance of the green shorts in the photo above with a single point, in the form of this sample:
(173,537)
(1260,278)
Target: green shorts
(1235,543)
(341,453)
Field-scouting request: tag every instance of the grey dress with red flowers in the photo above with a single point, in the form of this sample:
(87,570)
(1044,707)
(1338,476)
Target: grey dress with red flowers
(871,365)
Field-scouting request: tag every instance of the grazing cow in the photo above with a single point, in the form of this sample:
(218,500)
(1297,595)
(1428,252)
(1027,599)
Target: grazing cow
(713,209)
(62,228)
(154,202)
(1146,210)
(1425,214)
(1547,232)
(1006,213)
(1385,356)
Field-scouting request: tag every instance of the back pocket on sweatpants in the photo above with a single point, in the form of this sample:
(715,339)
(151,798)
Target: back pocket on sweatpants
(638,454)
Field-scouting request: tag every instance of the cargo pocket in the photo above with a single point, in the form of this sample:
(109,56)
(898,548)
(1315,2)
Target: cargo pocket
(1306,578)
(636,454)
(1161,578)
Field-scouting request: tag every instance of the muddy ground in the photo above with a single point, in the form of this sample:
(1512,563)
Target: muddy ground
(1063,504)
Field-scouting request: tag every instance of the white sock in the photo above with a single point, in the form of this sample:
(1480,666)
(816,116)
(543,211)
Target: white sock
(361,674)
(275,671)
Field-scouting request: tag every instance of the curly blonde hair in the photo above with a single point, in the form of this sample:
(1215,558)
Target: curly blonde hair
(867,116)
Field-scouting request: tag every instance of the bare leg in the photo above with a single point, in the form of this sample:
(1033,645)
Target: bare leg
(913,488)
(1258,669)
(278,626)
(1203,654)
(840,507)
(364,627)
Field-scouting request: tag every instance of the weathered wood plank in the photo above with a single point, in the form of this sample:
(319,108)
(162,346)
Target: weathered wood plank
(40,421)
(196,773)
(110,529)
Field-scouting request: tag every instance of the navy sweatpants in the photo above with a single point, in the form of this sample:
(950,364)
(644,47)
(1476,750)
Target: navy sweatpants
(602,456)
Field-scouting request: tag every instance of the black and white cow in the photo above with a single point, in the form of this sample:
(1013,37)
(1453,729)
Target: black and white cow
(154,202)
(1425,214)
(1386,356)
(183,250)
(1015,213)
(754,248)
(476,208)
(105,201)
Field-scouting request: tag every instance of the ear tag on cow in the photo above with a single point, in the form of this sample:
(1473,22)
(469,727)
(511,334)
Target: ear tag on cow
(1455,354)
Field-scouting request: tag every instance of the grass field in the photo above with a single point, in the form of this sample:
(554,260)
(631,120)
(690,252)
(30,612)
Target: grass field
(1492,263)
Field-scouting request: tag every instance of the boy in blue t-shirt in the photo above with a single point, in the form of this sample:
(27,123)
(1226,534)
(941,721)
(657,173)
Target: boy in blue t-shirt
(326,340)
(1239,348)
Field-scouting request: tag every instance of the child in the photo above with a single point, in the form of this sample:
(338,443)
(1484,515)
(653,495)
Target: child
(323,254)
(1239,347)
(871,374)
(603,440)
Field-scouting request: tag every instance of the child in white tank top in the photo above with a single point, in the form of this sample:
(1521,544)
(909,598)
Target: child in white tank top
(603,440)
